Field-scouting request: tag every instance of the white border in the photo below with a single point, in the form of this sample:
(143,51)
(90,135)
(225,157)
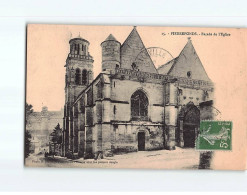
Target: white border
(16,14)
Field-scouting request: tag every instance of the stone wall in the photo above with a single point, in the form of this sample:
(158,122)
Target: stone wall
(122,90)
(125,137)
(108,122)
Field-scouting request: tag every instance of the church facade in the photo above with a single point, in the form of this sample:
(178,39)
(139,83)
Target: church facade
(131,105)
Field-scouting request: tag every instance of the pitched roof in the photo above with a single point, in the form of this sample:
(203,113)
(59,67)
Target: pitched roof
(188,60)
(111,38)
(164,69)
(134,51)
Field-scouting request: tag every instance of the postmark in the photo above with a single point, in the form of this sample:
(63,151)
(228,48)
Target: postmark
(214,135)
(158,55)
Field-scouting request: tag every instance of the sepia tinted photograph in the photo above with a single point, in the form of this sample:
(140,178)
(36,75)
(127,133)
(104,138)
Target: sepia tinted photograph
(139,97)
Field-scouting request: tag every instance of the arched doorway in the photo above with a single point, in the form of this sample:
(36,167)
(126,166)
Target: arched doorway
(141,141)
(190,116)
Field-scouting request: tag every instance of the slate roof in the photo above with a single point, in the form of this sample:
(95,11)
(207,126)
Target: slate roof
(164,69)
(188,60)
(111,38)
(134,51)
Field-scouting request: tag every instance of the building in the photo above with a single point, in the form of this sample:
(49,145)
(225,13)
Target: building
(41,125)
(131,105)
(35,145)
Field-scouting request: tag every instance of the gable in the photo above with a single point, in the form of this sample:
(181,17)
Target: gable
(188,61)
(134,51)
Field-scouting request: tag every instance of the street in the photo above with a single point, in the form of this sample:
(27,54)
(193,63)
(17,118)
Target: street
(161,159)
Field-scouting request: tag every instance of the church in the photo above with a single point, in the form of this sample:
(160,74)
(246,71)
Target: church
(131,105)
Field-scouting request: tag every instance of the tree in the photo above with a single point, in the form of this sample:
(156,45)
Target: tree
(56,136)
(27,143)
(28,112)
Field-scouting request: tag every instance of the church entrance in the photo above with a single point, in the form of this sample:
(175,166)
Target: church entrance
(141,141)
(191,122)
(189,135)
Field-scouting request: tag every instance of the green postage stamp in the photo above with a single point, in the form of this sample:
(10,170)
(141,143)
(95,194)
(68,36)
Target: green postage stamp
(214,135)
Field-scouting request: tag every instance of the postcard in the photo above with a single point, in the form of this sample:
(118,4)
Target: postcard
(142,97)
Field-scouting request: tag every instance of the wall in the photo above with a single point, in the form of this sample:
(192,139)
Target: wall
(194,95)
(108,119)
(125,137)
(123,90)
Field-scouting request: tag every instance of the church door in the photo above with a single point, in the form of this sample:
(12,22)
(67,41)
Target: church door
(189,135)
(191,125)
(141,141)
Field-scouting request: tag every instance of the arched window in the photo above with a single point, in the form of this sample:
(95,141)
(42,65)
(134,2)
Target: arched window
(139,106)
(73,48)
(76,49)
(77,76)
(84,77)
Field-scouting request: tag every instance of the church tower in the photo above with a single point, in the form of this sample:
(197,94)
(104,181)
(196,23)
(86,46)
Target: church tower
(79,74)
(110,53)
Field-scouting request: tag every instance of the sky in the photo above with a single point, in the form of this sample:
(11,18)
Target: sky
(48,47)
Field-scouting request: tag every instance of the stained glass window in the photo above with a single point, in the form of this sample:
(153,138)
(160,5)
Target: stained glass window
(139,106)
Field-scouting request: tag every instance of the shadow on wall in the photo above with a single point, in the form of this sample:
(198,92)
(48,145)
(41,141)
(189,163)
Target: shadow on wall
(205,159)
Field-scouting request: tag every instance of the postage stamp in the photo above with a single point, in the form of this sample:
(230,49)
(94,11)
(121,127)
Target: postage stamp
(214,135)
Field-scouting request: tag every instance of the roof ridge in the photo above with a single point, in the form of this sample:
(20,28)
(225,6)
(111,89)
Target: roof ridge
(129,35)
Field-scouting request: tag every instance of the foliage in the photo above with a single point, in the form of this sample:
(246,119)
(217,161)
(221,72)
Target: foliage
(29,111)
(56,139)
(56,135)
(27,143)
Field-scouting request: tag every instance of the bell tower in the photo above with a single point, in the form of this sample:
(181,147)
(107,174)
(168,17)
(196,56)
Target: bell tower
(79,74)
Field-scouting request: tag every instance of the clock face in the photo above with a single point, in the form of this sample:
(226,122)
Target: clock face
(158,55)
